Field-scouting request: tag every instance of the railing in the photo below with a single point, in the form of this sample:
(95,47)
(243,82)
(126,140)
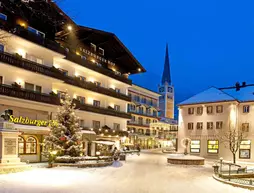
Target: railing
(93,87)
(53,72)
(143,114)
(137,123)
(28,95)
(101,110)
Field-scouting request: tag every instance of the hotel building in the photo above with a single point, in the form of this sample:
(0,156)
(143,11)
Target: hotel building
(205,116)
(44,54)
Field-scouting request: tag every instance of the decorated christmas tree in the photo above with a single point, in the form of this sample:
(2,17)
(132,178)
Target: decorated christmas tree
(64,137)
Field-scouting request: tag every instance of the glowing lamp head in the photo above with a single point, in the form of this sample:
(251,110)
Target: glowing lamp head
(54,152)
(69,27)
(139,69)
(93,60)
(98,153)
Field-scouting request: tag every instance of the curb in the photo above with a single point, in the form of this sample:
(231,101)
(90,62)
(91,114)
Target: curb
(233,184)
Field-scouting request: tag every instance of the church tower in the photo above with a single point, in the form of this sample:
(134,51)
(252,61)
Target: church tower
(166,89)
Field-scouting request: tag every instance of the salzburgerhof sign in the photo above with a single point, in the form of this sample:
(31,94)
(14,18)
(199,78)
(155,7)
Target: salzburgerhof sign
(27,121)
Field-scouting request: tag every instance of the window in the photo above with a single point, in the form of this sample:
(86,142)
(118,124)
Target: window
(65,72)
(133,118)
(35,31)
(117,90)
(245,127)
(148,111)
(140,120)
(117,107)
(219,109)
(61,94)
(96,124)
(116,126)
(244,150)
(31,145)
(82,78)
(141,110)
(1,48)
(97,83)
(21,145)
(81,123)
(161,89)
(34,59)
(38,88)
(3,16)
(1,80)
(148,121)
(199,110)
(199,125)
(209,125)
(246,109)
(93,47)
(190,110)
(81,99)
(170,89)
(190,126)
(29,86)
(213,146)
(154,113)
(101,51)
(195,146)
(96,103)
(219,124)
(209,109)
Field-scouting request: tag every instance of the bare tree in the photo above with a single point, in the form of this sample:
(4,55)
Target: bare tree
(232,139)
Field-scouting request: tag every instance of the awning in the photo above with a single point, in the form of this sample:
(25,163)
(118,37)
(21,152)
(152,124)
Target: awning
(105,142)
(28,129)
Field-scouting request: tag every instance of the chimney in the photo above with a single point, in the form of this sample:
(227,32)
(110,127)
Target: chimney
(243,84)
(237,86)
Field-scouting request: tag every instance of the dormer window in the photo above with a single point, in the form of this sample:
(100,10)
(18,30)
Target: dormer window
(3,16)
(101,51)
(35,31)
(93,47)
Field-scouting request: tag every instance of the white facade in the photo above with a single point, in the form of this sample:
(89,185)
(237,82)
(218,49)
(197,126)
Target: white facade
(216,116)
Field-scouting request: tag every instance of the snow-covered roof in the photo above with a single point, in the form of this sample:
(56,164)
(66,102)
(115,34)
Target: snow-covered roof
(243,95)
(208,96)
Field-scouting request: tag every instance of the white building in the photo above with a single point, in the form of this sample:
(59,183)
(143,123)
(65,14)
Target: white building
(35,70)
(205,115)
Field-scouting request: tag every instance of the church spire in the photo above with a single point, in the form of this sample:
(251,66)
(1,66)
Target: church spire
(166,72)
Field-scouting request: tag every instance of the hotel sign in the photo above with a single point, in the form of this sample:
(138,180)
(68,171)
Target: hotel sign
(27,121)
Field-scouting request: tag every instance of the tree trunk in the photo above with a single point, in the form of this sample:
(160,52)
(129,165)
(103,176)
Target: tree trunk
(234,158)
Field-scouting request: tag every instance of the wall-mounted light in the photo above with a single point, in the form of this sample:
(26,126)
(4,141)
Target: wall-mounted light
(56,66)
(139,69)
(93,60)
(69,27)
(76,74)
(22,53)
(19,81)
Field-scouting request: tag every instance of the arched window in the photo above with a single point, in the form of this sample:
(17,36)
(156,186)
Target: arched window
(21,145)
(31,145)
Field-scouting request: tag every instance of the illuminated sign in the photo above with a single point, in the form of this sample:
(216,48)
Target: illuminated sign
(27,121)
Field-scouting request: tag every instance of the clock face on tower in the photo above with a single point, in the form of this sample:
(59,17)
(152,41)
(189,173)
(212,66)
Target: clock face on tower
(170,89)
(161,89)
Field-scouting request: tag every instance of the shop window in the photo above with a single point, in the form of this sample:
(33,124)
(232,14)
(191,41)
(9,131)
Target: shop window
(117,107)
(209,109)
(199,125)
(246,109)
(219,124)
(21,145)
(219,109)
(3,16)
(116,126)
(199,110)
(96,124)
(195,146)
(29,86)
(96,103)
(244,150)
(191,111)
(209,125)
(213,146)
(31,145)
(190,126)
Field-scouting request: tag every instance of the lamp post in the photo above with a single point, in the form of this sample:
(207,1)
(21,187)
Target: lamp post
(221,160)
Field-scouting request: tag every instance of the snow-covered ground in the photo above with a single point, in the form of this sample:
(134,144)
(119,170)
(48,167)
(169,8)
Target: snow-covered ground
(148,173)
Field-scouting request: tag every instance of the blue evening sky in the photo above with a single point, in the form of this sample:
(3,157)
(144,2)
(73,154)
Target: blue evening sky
(211,42)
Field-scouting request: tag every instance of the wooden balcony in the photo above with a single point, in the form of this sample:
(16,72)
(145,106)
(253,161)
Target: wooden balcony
(28,95)
(55,73)
(101,110)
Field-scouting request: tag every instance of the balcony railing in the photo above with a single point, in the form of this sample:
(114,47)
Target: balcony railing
(138,123)
(28,95)
(143,114)
(53,45)
(93,87)
(53,72)
(101,110)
